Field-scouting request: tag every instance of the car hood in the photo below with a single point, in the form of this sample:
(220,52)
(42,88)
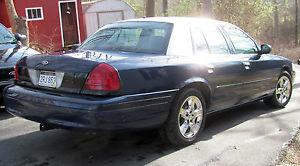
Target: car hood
(11,53)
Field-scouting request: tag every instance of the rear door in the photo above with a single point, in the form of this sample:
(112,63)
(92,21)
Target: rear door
(258,74)
(224,71)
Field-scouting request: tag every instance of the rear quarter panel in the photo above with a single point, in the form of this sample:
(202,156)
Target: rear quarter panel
(160,73)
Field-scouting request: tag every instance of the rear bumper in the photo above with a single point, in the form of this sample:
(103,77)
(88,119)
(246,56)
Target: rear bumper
(89,113)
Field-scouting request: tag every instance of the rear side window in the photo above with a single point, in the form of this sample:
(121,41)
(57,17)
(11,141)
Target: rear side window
(242,43)
(215,39)
(199,41)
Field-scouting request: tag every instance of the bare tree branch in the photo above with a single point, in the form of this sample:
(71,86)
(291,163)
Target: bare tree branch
(18,24)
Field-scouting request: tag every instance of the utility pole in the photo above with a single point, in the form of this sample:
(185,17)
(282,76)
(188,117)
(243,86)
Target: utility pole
(296,23)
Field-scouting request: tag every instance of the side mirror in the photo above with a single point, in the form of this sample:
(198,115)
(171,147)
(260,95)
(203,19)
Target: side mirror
(265,49)
(20,37)
(299,62)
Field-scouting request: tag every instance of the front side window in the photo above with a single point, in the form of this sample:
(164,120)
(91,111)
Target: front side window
(5,36)
(242,43)
(139,37)
(34,13)
(215,39)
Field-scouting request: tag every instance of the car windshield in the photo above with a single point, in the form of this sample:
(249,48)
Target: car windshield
(139,37)
(5,36)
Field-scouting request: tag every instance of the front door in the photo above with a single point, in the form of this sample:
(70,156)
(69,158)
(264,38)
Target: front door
(69,23)
(258,75)
(223,72)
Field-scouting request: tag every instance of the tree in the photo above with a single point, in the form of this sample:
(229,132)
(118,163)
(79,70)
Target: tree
(138,7)
(18,24)
(296,23)
(150,8)
(165,7)
(207,8)
(276,20)
(254,16)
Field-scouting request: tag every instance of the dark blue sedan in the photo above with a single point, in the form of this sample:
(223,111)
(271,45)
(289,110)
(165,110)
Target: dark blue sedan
(166,73)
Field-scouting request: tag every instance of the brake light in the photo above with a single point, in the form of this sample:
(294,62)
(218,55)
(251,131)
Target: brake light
(16,73)
(103,78)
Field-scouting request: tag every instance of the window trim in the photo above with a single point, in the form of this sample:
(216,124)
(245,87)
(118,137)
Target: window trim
(193,37)
(34,8)
(228,39)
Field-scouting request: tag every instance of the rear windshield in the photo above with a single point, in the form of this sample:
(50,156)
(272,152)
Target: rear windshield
(139,37)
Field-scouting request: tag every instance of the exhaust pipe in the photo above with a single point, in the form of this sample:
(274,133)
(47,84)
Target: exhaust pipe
(45,127)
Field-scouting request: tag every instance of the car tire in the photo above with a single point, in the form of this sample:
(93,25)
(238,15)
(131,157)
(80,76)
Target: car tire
(187,118)
(282,93)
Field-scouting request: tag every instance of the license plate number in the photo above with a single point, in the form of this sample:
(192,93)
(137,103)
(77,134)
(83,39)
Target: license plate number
(47,79)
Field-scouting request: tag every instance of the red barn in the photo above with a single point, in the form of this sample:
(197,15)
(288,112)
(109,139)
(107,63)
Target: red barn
(53,24)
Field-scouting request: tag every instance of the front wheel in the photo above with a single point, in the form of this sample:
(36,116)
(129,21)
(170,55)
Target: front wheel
(282,93)
(187,118)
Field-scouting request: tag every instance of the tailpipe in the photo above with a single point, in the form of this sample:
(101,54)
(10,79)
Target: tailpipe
(45,127)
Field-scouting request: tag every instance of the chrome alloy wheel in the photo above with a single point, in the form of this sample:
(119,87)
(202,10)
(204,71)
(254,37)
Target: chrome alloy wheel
(190,117)
(283,89)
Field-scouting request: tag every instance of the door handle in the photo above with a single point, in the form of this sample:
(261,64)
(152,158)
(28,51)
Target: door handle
(246,65)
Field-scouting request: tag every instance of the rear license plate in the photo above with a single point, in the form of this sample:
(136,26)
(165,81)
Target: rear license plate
(47,79)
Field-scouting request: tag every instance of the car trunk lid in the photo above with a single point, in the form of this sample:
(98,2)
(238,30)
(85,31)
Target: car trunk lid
(55,72)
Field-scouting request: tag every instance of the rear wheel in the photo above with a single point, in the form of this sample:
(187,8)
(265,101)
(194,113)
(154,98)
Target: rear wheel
(187,118)
(282,93)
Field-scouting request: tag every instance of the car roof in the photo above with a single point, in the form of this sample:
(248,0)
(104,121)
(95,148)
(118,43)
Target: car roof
(178,20)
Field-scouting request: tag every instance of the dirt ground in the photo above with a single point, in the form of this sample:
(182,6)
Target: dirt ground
(290,155)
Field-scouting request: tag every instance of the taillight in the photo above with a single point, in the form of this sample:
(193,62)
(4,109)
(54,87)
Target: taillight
(103,78)
(16,74)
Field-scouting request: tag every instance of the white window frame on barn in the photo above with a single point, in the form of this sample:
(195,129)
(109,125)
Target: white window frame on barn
(36,18)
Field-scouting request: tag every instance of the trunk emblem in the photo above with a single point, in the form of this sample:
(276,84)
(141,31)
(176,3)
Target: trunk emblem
(12,73)
(45,63)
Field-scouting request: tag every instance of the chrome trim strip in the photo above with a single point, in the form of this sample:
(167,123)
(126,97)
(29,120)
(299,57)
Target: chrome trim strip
(229,85)
(142,100)
(148,105)
(243,83)
(251,82)
(153,93)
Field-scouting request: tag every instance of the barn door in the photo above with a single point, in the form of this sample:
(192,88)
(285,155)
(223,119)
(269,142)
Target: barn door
(69,23)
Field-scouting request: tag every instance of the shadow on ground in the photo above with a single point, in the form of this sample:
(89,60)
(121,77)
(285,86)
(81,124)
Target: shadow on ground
(296,86)
(4,115)
(57,146)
